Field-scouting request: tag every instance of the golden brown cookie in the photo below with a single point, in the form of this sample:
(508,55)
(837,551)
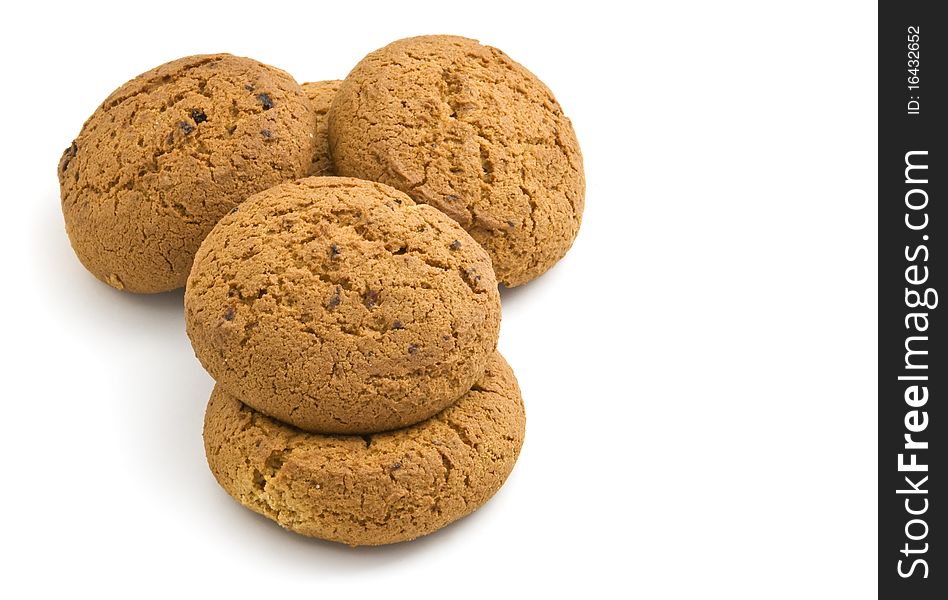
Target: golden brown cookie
(320,94)
(464,128)
(170,152)
(370,490)
(340,306)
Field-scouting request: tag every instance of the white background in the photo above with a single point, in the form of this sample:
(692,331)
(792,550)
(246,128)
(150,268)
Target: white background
(699,372)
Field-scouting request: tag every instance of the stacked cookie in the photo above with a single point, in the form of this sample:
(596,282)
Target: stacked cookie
(350,321)
(331,306)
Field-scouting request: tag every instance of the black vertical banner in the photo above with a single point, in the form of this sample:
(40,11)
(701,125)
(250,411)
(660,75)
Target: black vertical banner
(913,368)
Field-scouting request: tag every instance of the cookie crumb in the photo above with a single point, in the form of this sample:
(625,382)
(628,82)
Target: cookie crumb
(69,154)
(471,277)
(370,299)
(115,282)
(265,100)
(336,298)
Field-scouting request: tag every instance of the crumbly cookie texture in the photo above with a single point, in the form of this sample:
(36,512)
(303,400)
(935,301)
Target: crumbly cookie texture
(340,306)
(320,94)
(370,490)
(170,152)
(464,128)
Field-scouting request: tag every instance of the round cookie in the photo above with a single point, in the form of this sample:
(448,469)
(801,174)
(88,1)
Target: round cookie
(170,152)
(320,94)
(464,128)
(370,490)
(340,306)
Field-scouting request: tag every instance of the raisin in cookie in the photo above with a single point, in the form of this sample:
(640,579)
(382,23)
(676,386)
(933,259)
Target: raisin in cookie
(340,306)
(170,152)
(464,128)
(320,94)
(370,490)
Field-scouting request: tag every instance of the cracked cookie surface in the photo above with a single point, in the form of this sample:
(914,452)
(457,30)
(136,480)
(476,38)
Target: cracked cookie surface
(464,128)
(370,490)
(170,152)
(320,94)
(341,306)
